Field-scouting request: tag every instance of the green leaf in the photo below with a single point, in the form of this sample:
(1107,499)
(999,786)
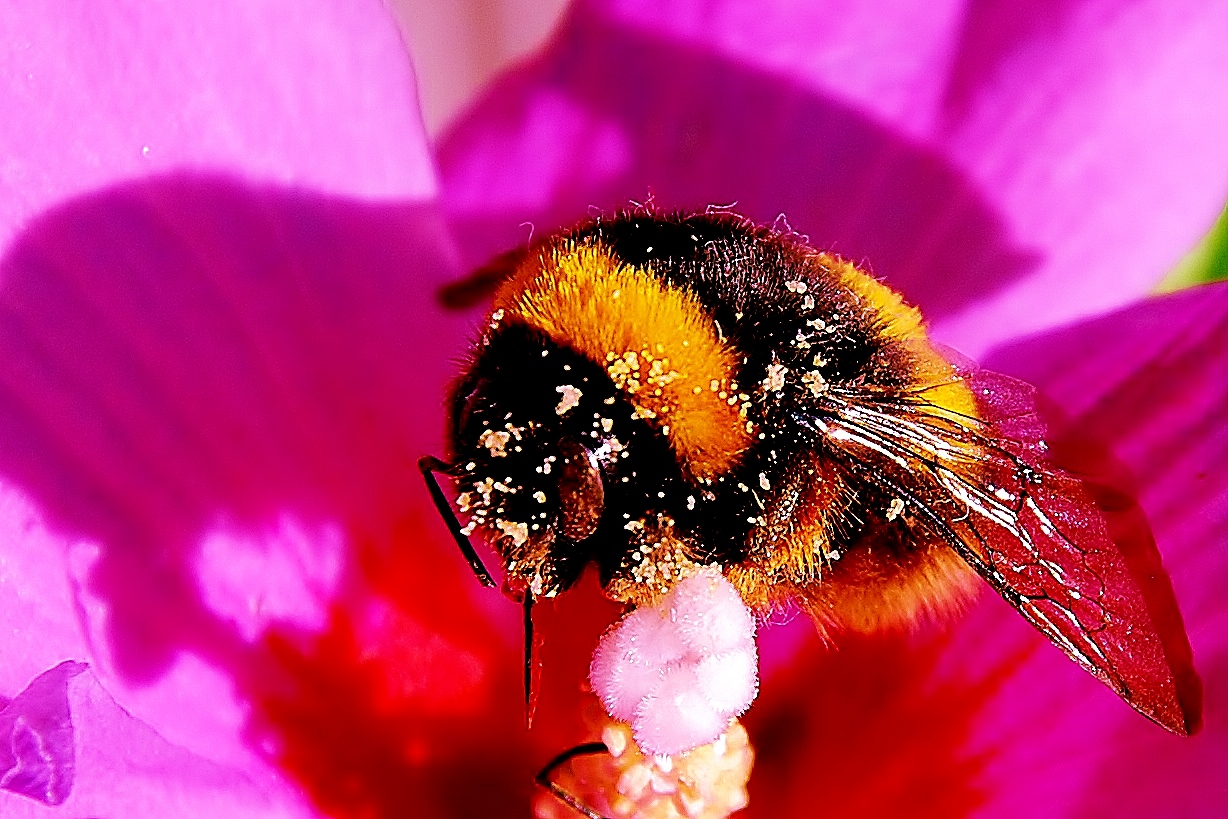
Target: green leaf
(1207,262)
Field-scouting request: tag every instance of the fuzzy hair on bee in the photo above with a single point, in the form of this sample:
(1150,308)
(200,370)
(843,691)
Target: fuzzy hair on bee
(660,394)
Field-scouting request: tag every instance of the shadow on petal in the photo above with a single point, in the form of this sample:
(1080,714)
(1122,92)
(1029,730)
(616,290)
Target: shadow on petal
(188,352)
(610,114)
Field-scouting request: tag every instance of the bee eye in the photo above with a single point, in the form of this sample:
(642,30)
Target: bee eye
(581,492)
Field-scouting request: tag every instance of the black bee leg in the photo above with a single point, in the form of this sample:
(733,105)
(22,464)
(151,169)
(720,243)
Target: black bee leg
(543,776)
(530,669)
(429,466)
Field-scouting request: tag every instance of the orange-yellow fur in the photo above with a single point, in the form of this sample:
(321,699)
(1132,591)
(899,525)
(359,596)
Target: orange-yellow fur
(656,342)
(935,583)
(902,322)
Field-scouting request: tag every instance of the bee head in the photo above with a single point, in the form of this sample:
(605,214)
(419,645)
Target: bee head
(542,447)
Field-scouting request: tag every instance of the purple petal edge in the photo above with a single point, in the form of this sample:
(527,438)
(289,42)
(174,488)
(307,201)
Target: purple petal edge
(95,759)
(39,759)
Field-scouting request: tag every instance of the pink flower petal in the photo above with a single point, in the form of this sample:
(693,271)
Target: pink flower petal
(988,160)
(39,760)
(213,395)
(37,615)
(316,94)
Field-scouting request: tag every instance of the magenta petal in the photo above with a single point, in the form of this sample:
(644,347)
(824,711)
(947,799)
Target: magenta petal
(318,94)
(73,748)
(986,158)
(613,114)
(37,612)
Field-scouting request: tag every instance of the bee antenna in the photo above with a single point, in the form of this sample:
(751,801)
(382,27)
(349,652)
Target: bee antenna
(543,777)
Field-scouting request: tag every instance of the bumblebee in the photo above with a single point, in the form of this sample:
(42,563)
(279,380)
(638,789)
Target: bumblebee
(653,393)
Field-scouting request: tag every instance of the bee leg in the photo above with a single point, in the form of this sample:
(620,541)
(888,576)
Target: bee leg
(429,466)
(530,690)
(543,777)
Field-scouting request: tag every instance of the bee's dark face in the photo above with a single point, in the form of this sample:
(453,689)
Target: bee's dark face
(553,462)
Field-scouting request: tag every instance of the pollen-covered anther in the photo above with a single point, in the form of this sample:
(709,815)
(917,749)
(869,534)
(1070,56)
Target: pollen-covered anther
(708,782)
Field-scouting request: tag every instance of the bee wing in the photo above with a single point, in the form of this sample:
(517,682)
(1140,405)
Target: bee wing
(987,486)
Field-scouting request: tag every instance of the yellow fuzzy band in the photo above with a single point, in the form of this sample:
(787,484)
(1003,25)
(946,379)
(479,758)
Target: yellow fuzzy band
(902,322)
(657,343)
